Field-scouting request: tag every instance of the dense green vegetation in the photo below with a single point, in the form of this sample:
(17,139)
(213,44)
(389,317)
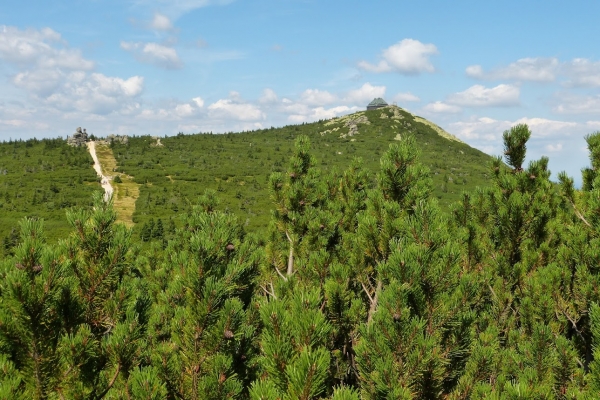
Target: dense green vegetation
(358,288)
(42,179)
(238,165)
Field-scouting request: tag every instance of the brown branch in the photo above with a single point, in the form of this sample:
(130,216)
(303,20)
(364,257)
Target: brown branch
(272,293)
(373,307)
(111,383)
(579,215)
(280,274)
(367,292)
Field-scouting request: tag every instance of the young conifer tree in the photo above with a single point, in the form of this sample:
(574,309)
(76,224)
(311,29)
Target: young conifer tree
(579,255)
(33,288)
(202,327)
(108,310)
(418,329)
(511,236)
(77,319)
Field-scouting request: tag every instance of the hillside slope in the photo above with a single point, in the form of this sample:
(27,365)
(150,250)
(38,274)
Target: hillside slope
(176,170)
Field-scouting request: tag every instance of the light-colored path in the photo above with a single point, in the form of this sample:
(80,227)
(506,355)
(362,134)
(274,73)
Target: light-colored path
(104,180)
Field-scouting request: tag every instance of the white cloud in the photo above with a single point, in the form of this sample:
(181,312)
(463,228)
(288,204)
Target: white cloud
(318,113)
(524,69)
(235,108)
(441,107)
(480,96)
(593,124)
(326,113)
(582,73)
(405,98)
(268,96)
(364,94)
(161,22)
(39,81)
(554,148)
(316,97)
(489,129)
(542,127)
(408,56)
(95,93)
(198,101)
(484,128)
(39,48)
(571,104)
(153,53)
(57,80)
(184,110)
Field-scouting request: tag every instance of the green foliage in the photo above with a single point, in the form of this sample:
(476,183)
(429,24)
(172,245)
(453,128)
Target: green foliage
(42,179)
(514,145)
(362,287)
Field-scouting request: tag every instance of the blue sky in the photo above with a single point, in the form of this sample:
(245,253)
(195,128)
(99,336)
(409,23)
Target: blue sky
(160,67)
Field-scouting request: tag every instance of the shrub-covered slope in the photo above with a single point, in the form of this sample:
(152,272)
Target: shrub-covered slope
(174,173)
(42,178)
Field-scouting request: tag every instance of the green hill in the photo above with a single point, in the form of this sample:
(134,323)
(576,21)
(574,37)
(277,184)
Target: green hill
(44,177)
(238,165)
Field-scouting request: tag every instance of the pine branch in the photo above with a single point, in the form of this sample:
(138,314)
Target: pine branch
(290,267)
(111,383)
(280,274)
(373,307)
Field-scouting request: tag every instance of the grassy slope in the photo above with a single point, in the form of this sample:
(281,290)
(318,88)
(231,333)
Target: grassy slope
(126,192)
(172,176)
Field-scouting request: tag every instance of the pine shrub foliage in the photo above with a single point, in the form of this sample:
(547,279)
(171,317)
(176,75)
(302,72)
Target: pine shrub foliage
(362,288)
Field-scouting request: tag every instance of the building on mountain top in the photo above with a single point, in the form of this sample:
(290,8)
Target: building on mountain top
(376,103)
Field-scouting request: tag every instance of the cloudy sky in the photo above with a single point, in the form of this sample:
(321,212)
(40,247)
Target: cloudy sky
(166,66)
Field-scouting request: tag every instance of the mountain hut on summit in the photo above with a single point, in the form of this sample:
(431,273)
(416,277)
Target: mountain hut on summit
(376,103)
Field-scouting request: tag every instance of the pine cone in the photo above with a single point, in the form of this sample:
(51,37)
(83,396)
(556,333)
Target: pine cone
(228,334)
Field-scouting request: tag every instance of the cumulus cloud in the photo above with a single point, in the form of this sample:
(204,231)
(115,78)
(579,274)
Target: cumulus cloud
(153,53)
(542,127)
(234,107)
(483,128)
(161,22)
(198,101)
(42,48)
(554,148)
(525,69)
(572,104)
(405,98)
(95,93)
(268,97)
(579,72)
(490,129)
(582,72)
(56,78)
(480,96)
(409,56)
(316,97)
(364,94)
(441,107)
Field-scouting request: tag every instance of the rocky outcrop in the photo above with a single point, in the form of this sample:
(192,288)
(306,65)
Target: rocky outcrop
(118,139)
(79,138)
